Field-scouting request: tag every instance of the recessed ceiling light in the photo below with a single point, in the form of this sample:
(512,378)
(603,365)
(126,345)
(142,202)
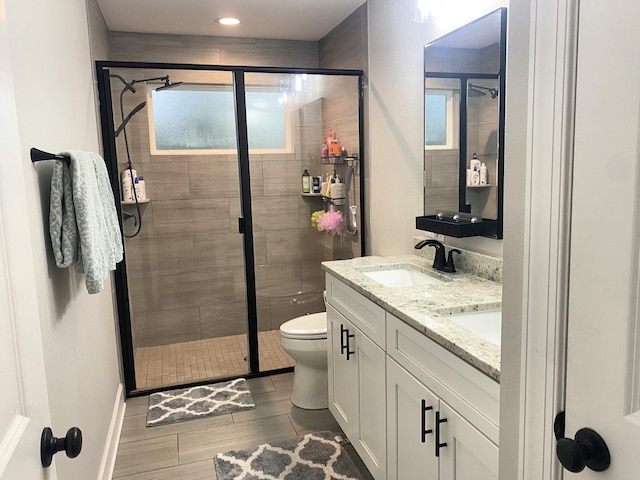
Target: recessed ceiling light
(228,21)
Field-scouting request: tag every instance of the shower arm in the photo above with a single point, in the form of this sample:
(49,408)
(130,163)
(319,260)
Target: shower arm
(492,91)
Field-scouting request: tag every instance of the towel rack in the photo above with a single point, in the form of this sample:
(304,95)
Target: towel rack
(39,155)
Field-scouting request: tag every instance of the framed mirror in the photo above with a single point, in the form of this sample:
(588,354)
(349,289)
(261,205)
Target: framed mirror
(464,82)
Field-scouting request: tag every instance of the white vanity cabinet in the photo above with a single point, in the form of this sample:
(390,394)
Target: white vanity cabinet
(356,366)
(390,384)
(442,414)
(428,439)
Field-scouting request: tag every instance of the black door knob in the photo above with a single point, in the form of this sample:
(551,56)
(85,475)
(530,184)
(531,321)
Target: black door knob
(50,445)
(588,449)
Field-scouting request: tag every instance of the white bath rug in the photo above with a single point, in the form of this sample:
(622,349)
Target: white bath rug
(315,456)
(198,402)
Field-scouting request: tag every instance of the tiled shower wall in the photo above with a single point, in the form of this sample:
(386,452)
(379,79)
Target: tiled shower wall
(185,268)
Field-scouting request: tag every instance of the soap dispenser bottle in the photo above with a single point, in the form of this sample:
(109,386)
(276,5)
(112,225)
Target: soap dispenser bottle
(306,182)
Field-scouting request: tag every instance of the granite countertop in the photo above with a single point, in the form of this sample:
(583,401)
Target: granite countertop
(426,307)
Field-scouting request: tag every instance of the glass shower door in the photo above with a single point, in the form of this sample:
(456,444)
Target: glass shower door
(288,115)
(185,263)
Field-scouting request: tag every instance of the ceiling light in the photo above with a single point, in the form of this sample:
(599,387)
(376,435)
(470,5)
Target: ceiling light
(228,21)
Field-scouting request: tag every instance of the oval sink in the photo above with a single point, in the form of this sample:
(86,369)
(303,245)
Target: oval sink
(487,325)
(401,276)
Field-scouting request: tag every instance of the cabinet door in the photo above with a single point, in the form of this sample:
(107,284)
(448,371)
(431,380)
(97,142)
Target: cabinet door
(411,411)
(343,374)
(468,453)
(371,440)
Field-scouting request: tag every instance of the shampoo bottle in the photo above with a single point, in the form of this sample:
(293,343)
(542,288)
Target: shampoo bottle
(484,175)
(141,191)
(474,164)
(127,191)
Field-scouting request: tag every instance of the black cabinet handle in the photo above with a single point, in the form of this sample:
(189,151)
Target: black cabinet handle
(50,445)
(438,444)
(424,430)
(349,352)
(343,346)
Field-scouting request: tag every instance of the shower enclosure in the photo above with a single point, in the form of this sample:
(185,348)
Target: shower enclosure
(222,250)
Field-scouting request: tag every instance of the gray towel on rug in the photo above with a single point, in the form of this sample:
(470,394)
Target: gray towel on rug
(83,221)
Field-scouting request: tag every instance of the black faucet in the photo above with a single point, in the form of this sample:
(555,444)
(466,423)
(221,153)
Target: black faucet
(450,267)
(438,260)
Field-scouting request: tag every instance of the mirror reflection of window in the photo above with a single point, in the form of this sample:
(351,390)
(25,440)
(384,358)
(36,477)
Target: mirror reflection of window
(438,109)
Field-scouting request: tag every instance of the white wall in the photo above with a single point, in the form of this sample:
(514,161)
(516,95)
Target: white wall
(56,105)
(395,175)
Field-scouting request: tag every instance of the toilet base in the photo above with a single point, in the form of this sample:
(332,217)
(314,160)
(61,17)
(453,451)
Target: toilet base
(310,388)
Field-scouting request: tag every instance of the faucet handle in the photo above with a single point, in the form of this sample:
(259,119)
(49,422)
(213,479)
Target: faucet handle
(450,267)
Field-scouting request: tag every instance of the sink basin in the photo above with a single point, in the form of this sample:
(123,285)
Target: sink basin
(401,276)
(484,324)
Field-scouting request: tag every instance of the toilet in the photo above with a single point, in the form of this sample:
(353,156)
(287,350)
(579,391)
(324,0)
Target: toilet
(305,340)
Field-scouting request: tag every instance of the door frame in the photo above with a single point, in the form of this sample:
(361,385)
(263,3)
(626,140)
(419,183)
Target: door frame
(245,223)
(541,292)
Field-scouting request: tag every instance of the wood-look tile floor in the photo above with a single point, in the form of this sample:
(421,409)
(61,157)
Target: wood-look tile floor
(185,450)
(189,362)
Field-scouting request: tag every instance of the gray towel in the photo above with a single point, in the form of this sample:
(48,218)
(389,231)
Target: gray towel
(83,221)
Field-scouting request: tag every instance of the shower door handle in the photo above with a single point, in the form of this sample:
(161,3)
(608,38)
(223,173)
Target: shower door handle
(241,225)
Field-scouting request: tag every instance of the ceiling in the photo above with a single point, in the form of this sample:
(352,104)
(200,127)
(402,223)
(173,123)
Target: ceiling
(273,19)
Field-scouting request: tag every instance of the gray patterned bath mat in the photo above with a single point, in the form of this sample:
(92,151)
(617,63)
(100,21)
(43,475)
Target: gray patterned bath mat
(202,401)
(315,456)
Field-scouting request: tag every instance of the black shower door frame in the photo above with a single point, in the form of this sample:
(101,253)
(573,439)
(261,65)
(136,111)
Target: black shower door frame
(245,222)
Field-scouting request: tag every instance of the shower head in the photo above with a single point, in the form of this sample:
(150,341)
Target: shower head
(167,84)
(474,91)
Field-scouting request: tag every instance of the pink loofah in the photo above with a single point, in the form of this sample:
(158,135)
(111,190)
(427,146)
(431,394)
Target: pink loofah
(331,222)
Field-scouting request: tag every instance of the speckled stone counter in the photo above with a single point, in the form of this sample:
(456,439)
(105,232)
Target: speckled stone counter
(426,307)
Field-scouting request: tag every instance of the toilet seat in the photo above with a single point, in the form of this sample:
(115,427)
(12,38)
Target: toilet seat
(306,327)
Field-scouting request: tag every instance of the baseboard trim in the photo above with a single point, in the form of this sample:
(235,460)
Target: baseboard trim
(113,438)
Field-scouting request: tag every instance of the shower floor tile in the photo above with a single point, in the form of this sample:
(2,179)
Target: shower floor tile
(189,362)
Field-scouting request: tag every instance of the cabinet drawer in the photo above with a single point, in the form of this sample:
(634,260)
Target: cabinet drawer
(470,392)
(362,312)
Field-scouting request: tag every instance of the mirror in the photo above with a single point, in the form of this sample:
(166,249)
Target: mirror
(464,105)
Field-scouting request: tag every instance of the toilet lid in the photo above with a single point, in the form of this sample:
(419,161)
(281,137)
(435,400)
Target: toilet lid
(308,327)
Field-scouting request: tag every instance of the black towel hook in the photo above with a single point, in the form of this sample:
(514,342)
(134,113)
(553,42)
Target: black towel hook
(39,155)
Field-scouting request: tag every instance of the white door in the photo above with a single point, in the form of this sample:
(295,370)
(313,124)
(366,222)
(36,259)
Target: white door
(603,357)
(24,409)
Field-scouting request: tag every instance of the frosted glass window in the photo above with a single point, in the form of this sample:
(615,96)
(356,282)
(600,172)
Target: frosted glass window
(202,119)
(438,125)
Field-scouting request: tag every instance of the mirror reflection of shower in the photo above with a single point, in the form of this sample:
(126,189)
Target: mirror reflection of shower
(128,86)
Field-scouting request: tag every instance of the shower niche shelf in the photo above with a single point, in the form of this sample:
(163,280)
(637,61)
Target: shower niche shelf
(131,202)
(310,194)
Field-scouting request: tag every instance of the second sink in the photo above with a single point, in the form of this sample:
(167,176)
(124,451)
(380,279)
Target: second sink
(484,324)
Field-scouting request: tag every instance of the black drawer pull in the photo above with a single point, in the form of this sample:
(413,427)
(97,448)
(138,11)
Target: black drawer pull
(424,430)
(438,444)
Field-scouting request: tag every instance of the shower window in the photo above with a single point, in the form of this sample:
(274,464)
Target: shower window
(200,119)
